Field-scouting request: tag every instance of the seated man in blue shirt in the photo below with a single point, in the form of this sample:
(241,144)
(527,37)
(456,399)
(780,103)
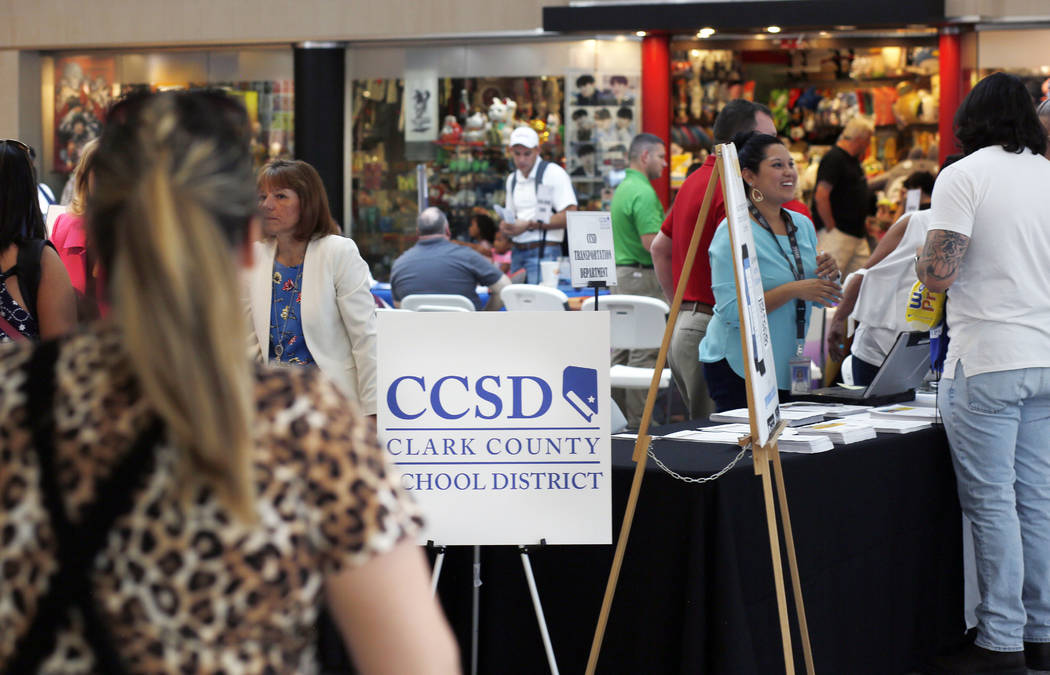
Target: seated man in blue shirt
(436,265)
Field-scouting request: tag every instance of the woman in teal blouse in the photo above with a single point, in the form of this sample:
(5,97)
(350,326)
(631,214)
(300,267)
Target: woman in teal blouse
(793,273)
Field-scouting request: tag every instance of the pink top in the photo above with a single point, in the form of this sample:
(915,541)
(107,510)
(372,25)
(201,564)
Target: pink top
(498,258)
(70,238)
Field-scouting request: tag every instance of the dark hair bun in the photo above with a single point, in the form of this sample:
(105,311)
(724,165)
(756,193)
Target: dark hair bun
(740,139)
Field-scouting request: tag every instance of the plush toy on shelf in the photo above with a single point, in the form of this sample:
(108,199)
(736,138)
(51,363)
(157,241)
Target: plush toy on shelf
(477,128)
(451,132)
(498,120)
(554,128)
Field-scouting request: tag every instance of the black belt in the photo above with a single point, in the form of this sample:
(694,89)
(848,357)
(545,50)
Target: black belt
(637,265)
(701,307)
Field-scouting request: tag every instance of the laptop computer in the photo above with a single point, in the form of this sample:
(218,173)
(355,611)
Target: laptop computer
(901,372)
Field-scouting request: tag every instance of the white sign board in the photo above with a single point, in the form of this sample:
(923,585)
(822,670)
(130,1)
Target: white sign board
(421,106)
(499,424)
(912,199)
(591,254)
(758,347)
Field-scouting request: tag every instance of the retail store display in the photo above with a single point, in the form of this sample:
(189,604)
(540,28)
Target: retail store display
(86,85)
(465,167)
(812,93)
(603,116)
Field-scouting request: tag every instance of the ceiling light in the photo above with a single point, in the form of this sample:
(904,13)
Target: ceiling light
(640,33)
(824,33)
(773,29)
(704,33)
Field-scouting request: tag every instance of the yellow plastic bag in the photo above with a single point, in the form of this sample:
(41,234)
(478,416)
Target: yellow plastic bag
(925,308)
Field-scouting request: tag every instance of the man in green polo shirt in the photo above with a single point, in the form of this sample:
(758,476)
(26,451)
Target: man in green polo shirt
(636,218)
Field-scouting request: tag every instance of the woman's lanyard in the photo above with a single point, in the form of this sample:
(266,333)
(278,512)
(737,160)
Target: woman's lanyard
(796,269)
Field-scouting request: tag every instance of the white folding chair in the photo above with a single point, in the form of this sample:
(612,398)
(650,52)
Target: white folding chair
(533,298)
(436,302)
(440,308)
(635,322)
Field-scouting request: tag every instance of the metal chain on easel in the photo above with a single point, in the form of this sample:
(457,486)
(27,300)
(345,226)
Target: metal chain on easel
(698,481)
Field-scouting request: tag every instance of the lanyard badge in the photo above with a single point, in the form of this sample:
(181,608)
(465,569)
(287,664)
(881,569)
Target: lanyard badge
(800,379)
(801,382)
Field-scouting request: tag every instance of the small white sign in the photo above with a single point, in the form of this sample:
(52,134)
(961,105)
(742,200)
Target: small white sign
(592,257)
(421,106)
(498,425)
(912,199)
(544,203)
(758,347)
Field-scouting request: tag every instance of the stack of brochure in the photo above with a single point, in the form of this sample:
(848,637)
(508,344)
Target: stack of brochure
(724,434)
(828,410)
(844,431)
(891,425)
(794,418)
(925,399)
(900,411)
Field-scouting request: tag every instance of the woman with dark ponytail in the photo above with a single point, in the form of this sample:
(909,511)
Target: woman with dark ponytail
(169,506)
(36,297)
(794,275)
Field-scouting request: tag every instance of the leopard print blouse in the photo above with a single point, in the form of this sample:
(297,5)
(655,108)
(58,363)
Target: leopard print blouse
(192,589)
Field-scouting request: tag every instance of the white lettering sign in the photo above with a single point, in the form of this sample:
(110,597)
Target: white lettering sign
(498,424)
(758,347)
(592,257)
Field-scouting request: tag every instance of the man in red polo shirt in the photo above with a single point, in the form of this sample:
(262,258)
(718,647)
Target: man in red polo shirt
(671,244)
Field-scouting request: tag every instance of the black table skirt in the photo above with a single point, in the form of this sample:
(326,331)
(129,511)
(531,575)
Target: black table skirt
(877,532)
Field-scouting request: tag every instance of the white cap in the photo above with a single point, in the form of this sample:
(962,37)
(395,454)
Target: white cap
(524,136)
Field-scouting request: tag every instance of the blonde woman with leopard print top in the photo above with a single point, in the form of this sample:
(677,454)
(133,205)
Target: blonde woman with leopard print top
(166,505)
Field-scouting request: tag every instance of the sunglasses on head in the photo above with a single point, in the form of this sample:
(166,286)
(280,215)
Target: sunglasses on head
(19,144)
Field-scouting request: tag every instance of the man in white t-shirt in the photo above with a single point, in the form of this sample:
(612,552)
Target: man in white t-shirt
(539,193)
(875,295)
(988,245)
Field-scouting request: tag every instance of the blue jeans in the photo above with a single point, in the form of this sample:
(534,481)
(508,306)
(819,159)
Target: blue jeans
(998,426)
(863,372)
(530,260)
(727,389)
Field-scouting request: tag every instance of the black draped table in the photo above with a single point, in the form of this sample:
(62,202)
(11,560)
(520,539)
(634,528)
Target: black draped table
(878,537)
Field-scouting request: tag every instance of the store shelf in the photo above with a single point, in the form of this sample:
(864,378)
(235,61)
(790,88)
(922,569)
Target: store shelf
(850,83)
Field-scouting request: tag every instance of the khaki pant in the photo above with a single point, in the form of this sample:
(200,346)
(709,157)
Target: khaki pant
(635,281)
(684,357)
(850,253)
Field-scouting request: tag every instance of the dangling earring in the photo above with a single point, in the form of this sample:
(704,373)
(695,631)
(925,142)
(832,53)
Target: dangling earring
(756,195)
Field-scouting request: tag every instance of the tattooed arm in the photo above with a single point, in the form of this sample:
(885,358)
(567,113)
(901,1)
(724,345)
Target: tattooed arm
(938,261)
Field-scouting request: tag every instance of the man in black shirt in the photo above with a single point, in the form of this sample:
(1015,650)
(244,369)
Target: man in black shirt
(842,201)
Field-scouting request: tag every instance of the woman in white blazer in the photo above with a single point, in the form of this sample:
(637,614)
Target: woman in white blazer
(310,299)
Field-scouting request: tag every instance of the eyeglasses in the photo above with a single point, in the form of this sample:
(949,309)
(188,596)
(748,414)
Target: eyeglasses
(19,144)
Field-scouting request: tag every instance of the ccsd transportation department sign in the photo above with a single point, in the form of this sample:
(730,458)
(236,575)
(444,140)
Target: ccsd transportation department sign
(499,423)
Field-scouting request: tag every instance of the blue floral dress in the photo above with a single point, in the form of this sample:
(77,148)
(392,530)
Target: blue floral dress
(287,344)
(14,313)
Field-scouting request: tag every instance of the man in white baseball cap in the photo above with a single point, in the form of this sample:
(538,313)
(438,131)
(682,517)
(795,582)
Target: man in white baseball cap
(539,193)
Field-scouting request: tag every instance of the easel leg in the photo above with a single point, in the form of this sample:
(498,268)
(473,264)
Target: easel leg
(436,574)
(762,466)
(539,611)
(475,612)
(789,540)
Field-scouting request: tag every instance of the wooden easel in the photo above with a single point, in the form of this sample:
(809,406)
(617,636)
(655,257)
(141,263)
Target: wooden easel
(763,456)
